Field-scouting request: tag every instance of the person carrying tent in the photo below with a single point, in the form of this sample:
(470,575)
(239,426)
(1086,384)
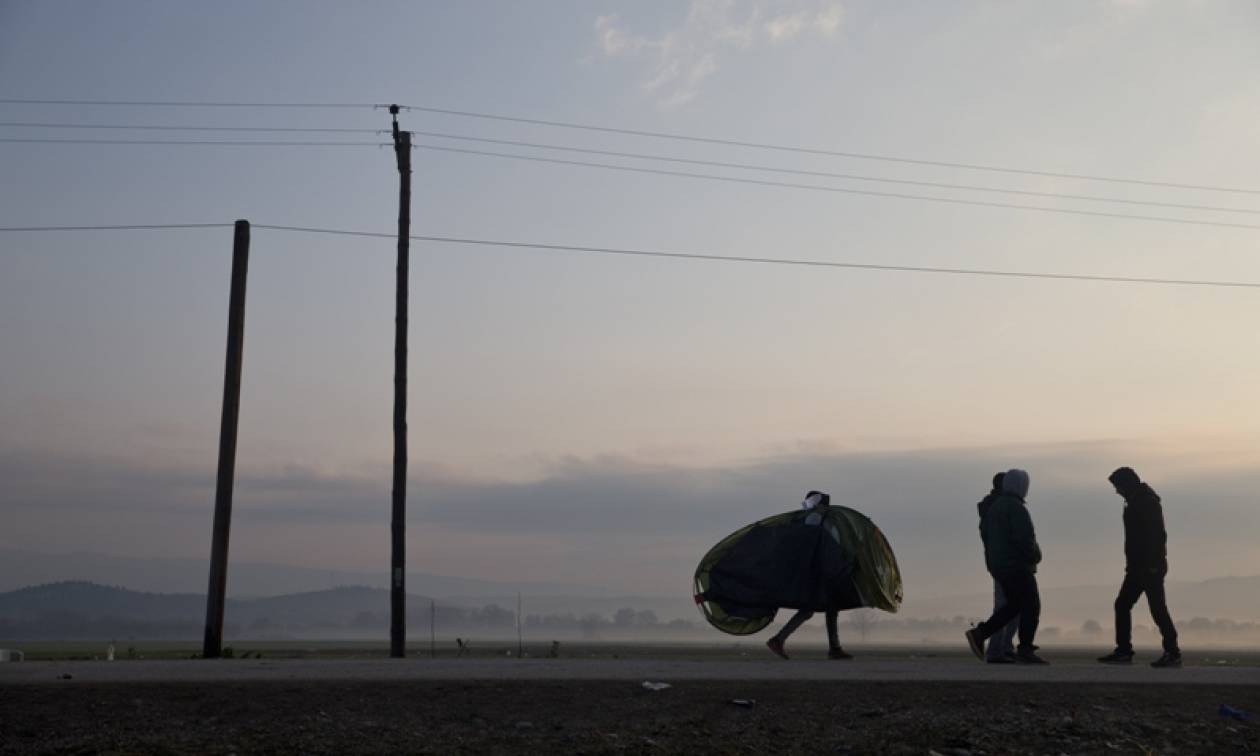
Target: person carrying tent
(817,502)
(1001,647)
(1012,556)
(820,558)
(1145,566)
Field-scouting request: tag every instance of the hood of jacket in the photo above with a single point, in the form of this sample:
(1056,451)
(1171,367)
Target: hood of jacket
(1016,482)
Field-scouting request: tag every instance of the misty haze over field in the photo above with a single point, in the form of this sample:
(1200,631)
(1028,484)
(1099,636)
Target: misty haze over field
(165,602)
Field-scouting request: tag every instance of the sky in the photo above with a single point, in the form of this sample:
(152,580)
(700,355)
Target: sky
(604,419)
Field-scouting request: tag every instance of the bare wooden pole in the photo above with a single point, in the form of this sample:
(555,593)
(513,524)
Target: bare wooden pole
(398,519)
(215,594)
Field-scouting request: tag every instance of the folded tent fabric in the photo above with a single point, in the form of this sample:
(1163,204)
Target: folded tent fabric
(788,561)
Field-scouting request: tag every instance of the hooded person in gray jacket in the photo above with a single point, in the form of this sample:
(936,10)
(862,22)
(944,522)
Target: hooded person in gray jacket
(1012,556)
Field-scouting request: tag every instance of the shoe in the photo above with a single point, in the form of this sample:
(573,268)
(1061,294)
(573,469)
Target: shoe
(1028,657)
(1119,656)
(776,645)
(1003,659)
(1170,660)
(838,653)
(975,642)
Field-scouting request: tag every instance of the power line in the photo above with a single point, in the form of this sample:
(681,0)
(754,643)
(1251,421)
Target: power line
(666,255)
(146,127)
(843,190)
(190,104)
(831,153)
(620,154)
(192,142)
(773,260)
(615,153)
(828,174)
(643,133)
(133,227)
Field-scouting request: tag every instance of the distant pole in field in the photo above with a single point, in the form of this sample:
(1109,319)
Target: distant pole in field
(432,629)
(398,518)
(520,635)
(212,647)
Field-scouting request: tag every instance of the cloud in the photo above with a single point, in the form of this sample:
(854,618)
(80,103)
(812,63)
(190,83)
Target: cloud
(784,28)
(827,22)
(639,526)
(681,59)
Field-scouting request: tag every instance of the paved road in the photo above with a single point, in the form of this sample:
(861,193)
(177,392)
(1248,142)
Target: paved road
(951,670)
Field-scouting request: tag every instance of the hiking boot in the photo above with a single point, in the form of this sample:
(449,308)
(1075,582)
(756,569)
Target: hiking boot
(838,653)
(1169,659)
(776,645)
(1119,656)
(975,642)
(1028,656)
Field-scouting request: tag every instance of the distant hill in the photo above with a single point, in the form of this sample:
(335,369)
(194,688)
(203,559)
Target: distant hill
(1213,611)
(76,608)
(20,568)
(82,610)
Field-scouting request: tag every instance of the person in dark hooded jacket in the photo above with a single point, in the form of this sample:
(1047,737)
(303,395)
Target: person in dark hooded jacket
(1011,553)
(1001,648)
(1145,566)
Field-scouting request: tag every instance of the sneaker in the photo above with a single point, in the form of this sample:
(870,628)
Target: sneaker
(1119,656)
(975,642)
(776,645)
(1028,657)
(838,653)
(1003,659)
(1171,660)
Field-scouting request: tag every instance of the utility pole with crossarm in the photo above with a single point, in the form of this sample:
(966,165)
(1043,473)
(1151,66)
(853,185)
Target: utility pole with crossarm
(398,519)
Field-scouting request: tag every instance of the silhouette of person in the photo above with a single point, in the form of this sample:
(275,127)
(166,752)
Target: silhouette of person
(1001,647)
(817,502)
(1145,567)
(1012,556)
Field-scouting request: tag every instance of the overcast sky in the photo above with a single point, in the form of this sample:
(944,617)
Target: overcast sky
(596,419)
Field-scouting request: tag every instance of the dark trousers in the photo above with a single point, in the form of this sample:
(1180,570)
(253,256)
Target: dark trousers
(802,616)
(1152,584)
(1023,600)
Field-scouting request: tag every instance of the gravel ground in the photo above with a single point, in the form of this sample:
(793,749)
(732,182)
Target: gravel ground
(811,665)
(620,716)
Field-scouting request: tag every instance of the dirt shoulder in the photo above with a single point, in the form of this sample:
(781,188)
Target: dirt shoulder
(593,716)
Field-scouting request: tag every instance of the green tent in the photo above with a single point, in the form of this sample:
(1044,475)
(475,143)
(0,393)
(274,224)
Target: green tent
(831,557)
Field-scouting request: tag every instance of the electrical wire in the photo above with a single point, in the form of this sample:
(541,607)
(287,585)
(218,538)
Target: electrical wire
(190,104)
(193,143)
(829,174)
(843,190)
(148,127)
(586,249)
(772,260)
(133,227)
(653,171)
(830,153)
(643,133)
(639,156)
